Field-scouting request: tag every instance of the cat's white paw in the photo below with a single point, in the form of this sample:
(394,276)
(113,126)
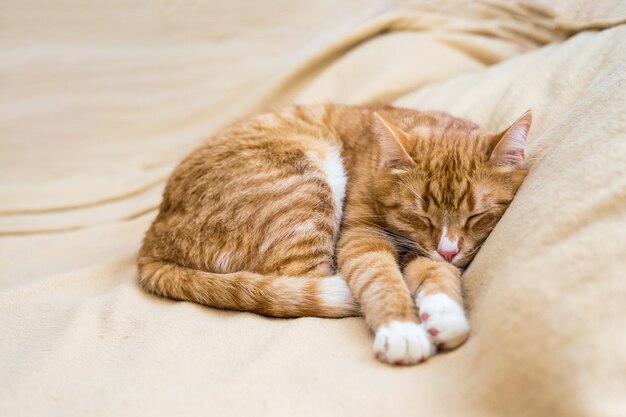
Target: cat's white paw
(402,343)
(444,320)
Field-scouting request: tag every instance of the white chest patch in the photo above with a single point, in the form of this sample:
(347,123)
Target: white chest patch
(332,164)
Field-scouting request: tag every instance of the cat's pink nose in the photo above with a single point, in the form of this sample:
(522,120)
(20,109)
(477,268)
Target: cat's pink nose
(447,253)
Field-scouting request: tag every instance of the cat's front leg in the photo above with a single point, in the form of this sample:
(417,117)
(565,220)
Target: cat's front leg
(436,287)
(368,263)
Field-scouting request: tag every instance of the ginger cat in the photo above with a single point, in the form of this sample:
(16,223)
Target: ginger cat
(336,211)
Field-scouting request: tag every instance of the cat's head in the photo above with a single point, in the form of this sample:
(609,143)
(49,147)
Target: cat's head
(443,183)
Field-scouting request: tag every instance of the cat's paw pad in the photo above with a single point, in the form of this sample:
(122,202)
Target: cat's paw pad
(402,343)
(444,319)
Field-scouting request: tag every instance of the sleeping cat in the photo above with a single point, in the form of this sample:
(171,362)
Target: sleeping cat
(335,211)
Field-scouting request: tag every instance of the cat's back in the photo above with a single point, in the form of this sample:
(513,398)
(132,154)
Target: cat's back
(266,140)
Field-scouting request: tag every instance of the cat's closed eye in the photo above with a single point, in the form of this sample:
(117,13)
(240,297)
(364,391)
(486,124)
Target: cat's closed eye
(415,218)
(479,219)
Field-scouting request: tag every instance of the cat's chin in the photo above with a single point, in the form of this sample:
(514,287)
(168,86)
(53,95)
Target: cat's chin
(461,264)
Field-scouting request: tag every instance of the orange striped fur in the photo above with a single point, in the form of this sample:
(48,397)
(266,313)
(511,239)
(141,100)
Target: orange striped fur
(318,211)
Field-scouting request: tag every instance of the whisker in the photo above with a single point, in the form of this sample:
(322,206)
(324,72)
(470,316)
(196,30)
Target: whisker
(397,239)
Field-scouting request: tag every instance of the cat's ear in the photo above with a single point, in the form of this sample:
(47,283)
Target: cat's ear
(393,144)
(510,146)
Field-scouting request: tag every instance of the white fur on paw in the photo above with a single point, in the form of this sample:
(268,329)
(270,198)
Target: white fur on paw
(402,343)
(444,320)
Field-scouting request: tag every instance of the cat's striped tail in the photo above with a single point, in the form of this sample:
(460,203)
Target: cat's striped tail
(275,296)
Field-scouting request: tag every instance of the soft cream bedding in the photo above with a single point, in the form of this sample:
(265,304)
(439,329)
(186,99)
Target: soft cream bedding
(99,100)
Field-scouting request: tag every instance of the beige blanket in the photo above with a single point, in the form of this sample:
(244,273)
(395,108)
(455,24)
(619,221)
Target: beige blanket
(100,99)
